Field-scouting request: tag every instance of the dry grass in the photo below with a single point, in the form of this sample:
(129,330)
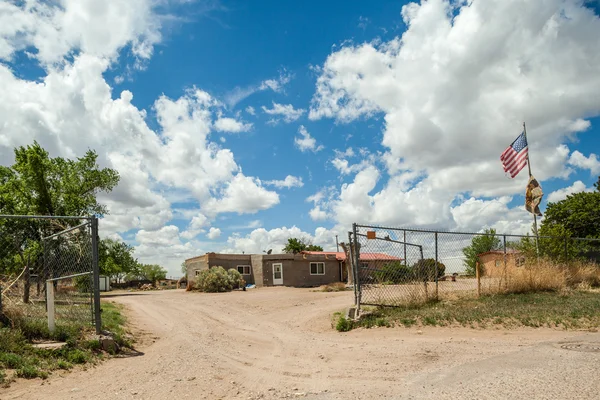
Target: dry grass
(543,276)
(333,287)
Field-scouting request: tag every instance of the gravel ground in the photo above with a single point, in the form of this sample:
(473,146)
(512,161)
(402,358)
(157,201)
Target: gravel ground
(278,343)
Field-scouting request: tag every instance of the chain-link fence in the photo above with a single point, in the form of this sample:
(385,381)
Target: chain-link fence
(48,270)
(398,266)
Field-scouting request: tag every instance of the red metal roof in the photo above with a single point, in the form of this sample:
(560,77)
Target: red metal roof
(341,256)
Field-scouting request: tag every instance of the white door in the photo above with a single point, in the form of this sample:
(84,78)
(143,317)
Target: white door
(277,274)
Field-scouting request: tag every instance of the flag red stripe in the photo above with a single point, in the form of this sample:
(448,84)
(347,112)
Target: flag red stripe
(512,161)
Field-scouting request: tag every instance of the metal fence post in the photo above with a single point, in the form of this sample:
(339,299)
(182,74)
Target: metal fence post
(404,240)
(350,267)
(356,254)
(50,305)
(436,266)
(96,275)
(505,265)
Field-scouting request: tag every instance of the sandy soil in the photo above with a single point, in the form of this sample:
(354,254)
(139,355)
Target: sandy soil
(278,343)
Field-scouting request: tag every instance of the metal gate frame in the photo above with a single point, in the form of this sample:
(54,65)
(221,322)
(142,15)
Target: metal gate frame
(92,221)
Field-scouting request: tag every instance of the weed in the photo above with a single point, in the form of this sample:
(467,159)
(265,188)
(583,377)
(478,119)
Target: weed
(11,361)
(31,372)
(77,356)
(333,287)
(343,324)
(62,364)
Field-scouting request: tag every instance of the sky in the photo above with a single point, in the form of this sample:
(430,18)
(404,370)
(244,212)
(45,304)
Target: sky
(235,125)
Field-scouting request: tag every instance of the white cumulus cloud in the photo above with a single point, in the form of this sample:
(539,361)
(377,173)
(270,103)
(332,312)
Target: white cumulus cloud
(289,182)
(305,142)
(562,194)
(287,112)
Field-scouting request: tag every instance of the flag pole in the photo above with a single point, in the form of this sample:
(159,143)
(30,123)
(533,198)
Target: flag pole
(535,228)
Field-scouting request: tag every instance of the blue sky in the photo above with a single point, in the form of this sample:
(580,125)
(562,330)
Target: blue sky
(392,113)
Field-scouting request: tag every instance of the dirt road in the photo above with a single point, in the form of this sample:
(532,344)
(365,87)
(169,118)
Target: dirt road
(278,343)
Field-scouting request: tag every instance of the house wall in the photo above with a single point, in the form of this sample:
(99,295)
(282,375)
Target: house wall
(195,264)
(229,261)
(256,260)
(296,270)
(493,264)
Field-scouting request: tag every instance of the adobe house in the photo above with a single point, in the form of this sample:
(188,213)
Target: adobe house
(305,269)
(301,270)
(492,262)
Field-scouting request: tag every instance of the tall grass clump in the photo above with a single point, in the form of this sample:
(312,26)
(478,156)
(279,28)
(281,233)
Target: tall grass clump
(545,275)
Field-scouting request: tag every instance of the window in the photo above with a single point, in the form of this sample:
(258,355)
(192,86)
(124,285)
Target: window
(317,268)
(498,263)
(520,261)
(243,269)
(198,272)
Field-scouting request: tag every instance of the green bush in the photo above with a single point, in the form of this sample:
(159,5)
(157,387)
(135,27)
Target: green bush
(394,273)
(31,372)
(62,364)
(343,324)
(77,356)
(11,340)
(424,270)
(11,361)
(216,279)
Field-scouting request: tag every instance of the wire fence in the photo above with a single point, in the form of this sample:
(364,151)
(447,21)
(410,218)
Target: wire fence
(400,266)
(48,270)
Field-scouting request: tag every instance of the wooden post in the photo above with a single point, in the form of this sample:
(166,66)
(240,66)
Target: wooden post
(478,276)
(50,305)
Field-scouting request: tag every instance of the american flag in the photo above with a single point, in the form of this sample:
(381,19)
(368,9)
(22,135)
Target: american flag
(514,158)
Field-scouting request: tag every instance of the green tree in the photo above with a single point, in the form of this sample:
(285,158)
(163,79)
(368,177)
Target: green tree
(394,272)
(424,270)
(577,216)
(151,272)
(37,184)
(296,246)
(480,244)
(115,259)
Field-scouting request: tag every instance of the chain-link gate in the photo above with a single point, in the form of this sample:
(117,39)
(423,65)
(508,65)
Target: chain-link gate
(49,270)
(401,266)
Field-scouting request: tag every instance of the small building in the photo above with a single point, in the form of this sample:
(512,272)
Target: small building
(305,269)
(492,262)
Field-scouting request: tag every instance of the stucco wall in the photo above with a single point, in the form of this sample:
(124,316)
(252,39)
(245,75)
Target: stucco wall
(229,261)
(256,260)
(493,263)
(296,270)
(195,264)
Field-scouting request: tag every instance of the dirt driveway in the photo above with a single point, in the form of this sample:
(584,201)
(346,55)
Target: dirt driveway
(278,343)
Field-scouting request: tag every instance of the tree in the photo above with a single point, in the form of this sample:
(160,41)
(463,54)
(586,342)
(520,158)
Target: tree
(578,215)
(597,184)
(39,185)
(480,244)
(296,245)
(150,272)
(115,259)
(424,270)
(394,272)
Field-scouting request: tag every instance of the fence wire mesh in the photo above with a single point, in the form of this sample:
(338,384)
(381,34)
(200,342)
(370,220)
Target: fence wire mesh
(36,252)
(398,266)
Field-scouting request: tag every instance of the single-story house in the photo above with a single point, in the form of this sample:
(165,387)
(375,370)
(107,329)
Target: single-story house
(492,262)
(305,269)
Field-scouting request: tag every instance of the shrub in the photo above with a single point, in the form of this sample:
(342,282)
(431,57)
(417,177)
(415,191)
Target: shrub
(424,270)
(394,273)
(10,360)
(216,279)
(343,324)
(31,372)
(236,278)
(11,340)
(77,356)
